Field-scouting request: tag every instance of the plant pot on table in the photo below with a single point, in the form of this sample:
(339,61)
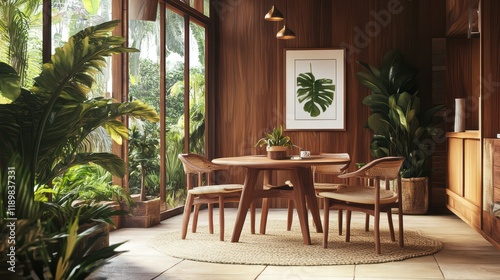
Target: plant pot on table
(277,152)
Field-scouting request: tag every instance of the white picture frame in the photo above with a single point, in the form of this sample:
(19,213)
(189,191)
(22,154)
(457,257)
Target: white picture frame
(325,65)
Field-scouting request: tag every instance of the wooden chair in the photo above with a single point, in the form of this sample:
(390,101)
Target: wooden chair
(371,200)
(331,169)
(206,192)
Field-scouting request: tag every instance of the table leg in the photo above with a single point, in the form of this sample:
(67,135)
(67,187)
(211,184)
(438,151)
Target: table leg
(310,194)
(301,206)
(245,201)
(265,203)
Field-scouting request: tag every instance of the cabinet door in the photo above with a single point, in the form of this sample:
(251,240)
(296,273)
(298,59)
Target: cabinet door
(472,176)
(456,165)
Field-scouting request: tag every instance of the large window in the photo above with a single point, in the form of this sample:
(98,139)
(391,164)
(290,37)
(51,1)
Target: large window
(179,97)
(169,73)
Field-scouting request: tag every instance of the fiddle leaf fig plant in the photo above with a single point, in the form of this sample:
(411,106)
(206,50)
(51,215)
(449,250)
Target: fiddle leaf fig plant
(275,138)
(316,93)
(400,126)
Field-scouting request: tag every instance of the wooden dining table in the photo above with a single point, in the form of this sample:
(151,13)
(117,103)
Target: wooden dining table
(302,191)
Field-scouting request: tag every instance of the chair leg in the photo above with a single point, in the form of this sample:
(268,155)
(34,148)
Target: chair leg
(400,218)
(187,213)
(326,221)
(340,221)
(252,218)
(211,218)
(195,218)
(348,226)
(289,218)
(376,230)
(221,217)
(367,222)
(391,226)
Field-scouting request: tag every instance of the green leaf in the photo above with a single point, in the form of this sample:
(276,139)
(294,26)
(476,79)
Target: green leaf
(316,93)
(372,82)
(91,6)
(377,103)
(10,82)
(378,123)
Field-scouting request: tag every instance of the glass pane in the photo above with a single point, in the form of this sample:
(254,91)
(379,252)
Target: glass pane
(70,17)
(21,43)
(174,108)
(202,6)
(144,85)
(197,89)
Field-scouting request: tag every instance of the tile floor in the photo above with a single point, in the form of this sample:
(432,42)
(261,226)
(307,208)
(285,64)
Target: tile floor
(465,255)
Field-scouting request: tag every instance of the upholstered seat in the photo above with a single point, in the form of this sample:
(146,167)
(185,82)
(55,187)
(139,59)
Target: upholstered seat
(371,200)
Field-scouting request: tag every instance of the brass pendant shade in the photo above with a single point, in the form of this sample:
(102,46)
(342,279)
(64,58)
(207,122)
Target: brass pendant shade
(285,33)
(274,14)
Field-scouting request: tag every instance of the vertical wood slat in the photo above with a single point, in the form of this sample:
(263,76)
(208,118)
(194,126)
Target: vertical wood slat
(455,165)
(472,174)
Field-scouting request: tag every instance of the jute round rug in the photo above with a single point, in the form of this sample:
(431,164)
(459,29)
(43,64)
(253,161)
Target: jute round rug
(281,247)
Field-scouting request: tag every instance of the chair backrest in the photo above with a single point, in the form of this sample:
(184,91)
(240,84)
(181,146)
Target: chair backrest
(200,165)
(333,169)
(194,163)
(386,168)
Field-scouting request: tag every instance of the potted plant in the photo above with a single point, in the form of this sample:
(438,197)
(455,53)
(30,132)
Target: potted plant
(91,184)
(143,159)
(400,126)
(276,143)
(44,133)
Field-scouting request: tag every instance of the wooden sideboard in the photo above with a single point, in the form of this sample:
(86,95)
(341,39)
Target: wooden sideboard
(464,190)
(472,72)
(491,189)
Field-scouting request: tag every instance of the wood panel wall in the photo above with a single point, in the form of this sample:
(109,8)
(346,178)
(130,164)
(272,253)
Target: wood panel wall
(463,78)
(490,82)
(250,66)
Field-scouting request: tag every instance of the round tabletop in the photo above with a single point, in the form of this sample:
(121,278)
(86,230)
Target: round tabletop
(261,161)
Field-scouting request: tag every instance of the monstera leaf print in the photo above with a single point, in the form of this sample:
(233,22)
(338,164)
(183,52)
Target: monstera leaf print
(317,94)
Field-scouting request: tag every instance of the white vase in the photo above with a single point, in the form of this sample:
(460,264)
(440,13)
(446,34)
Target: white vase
(459,114)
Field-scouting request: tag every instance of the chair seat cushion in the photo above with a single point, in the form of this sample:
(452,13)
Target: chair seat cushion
(327,186)
(360,194)
(227,188)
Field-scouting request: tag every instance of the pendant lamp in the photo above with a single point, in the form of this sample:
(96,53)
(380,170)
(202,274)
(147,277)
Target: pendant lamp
(285,33)
(274,14)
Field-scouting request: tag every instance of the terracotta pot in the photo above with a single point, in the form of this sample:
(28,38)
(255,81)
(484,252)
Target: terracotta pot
(145,214)
(277,152)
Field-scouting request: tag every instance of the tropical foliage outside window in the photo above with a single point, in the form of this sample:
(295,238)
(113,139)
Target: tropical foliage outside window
(21,38)
(145,85)
(22,47)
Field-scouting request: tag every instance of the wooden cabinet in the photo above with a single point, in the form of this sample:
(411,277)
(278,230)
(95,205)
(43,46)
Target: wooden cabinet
(472,72)
(491,189)
(464,176)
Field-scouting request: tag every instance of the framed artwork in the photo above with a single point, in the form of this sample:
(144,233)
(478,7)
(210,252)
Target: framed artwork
(315,89)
